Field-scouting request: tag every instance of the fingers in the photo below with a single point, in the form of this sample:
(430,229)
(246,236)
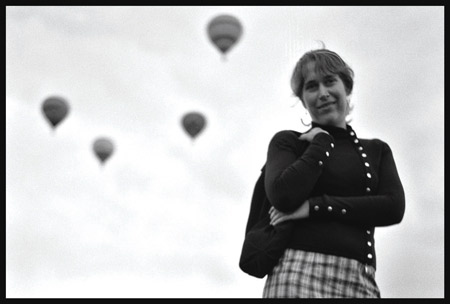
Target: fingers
(276,216)
(278,220)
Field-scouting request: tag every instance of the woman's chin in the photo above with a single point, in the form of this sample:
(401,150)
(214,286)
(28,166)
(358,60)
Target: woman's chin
(331,120)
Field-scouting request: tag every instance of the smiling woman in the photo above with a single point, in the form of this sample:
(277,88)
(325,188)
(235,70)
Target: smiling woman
(324,82)
(337,191)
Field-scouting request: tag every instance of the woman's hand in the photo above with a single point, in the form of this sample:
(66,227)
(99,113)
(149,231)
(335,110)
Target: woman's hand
(311,133)
(277,217)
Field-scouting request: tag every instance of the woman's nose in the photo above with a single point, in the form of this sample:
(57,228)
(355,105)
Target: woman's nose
(323,93)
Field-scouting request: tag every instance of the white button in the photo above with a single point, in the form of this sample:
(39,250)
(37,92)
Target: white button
(320,163)
(356,141)
(327,154)
(344,211)
(368,190)
(330,208)
(352,133)
(360,149)
(332,145)
(368,231)
(369,255)
(369,243)
(364,154)
(316,208)
(368,175)
(367,164)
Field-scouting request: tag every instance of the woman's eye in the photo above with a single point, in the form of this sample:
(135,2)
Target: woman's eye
(330,81)
(310,86)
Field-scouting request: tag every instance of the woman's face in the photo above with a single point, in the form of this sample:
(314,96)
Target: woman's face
(325,98)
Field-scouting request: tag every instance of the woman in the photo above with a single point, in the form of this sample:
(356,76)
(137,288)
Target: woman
(337,190)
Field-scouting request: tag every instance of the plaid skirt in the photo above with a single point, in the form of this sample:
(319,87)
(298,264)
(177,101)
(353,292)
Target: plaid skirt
(303,274)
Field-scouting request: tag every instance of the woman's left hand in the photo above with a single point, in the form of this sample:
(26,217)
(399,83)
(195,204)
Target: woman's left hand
(277,217)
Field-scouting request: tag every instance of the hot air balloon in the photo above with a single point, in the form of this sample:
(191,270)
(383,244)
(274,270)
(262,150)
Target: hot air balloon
(103,148)
(193,123)
(55,109)
(224,32)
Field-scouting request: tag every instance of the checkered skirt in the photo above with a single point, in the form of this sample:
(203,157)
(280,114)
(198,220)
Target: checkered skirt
(303,274)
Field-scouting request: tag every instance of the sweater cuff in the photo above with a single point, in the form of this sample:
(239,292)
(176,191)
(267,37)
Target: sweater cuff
(320,149)
(316,207)
(320,207)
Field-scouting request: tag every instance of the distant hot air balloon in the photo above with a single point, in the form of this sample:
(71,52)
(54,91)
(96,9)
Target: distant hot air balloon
(193,123)
(55,109)
(224,31)
(103,148)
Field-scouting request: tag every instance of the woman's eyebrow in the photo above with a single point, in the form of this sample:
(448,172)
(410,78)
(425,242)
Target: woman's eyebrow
(312,81)
(328,76)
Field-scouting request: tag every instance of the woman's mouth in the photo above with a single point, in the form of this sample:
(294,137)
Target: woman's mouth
(326,105)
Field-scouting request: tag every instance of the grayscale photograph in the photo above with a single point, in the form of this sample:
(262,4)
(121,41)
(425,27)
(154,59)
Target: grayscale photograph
(224,152)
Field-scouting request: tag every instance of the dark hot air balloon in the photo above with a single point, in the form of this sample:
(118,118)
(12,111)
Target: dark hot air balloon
(55,109)
(224,32)
(193,123)
(103,148)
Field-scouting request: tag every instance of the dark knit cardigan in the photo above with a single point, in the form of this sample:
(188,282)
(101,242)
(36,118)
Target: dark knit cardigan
(351,184)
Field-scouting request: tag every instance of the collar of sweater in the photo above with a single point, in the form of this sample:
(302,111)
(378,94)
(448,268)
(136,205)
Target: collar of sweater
(336,132)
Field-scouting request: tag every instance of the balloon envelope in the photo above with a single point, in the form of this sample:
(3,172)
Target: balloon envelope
(193,123)
(103,148)
(55,109)
(224,31)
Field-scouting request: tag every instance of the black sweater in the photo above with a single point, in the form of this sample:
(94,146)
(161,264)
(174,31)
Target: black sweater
(352,185)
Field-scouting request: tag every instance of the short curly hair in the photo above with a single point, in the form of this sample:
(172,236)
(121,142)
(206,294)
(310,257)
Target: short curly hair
(326,62)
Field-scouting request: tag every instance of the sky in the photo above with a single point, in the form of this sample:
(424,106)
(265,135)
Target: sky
(165,216)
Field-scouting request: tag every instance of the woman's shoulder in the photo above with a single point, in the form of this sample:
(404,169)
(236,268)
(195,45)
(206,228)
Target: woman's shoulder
(286,139)
(375,143)
(286,135)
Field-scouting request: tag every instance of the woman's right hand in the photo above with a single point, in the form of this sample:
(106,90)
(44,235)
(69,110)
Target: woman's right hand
(309,136)
(277,217)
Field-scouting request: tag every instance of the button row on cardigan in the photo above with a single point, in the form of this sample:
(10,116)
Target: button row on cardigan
(366,163)
(327,154)
(330,208)
(317,208)
(369,244)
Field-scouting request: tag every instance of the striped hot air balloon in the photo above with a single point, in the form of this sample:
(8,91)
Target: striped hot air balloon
(103,148)
(224,31)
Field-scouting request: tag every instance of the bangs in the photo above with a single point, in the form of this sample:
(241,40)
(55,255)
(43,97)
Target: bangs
(325,63)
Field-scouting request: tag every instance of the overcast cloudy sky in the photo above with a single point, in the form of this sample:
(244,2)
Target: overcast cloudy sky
(165,217)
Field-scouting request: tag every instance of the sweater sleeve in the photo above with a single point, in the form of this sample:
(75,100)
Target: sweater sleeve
(385,207)
(293,167)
